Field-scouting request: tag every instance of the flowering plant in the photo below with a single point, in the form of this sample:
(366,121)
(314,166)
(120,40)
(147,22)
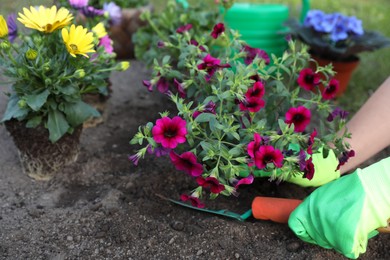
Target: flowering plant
(246,114)
(335,36)
(150,39)
(51,68)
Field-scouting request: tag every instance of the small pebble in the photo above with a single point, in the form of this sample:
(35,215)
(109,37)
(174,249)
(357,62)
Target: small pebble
(177,225)
(237,255)
(69,238)
(200,251)
(293,246)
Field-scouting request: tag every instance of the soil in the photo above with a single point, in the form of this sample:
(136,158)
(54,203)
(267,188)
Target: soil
(103,207)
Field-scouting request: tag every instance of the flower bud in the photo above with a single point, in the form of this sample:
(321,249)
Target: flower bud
(122,66)
(5,45)
(22,73)
(31,54)
(80,73)
(37,40)
(48,81)
(22,103)
(46,66)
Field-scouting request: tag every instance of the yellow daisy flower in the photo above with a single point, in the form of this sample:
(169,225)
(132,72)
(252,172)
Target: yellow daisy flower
(3,27)
(78,40)
(45,19)
(99,30)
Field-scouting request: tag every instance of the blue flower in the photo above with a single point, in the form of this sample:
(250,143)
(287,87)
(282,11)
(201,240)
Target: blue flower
(12,27)
(114,12)
(355,25)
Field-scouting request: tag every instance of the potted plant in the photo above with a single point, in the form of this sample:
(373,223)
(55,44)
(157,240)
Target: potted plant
(50,68)
(121,17)
(337,39)
(246,117)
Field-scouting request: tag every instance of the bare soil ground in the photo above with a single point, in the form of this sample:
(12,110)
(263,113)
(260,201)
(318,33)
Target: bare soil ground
(102,207)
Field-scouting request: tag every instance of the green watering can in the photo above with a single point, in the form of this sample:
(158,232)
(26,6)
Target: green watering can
(261,24)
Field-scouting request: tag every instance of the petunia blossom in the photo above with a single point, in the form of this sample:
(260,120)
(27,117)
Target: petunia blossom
(337,112)
(179,88)
(187,162)
(210,65)
(170,132)
(245,181)
(184,28)
(252,104)
(268,154)
(310,142)
(299,116)
(257,90)
(162,85)
(252,53)
(308,171)
(90,11)
(212,183)
(194,200)
(218,30)
(343,159)
(254,145)
(331,90)
(209,108)
(196,43)
(308,79)
(148,85)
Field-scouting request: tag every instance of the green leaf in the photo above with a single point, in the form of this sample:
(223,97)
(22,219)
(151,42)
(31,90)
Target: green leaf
(57,125)
(13,110)
(37,101)
(34,122)
(77,113)
(204,117)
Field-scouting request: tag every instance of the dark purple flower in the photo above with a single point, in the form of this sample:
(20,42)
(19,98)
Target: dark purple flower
(179,88)
(209,108)
(114,12)
(160,44)
(343,159)
(184,28)
(212,183)
(302,160)
(90,11)
(148,85)
(218,30)
(310,142)
(162,85)
(194,200)
(134,158)
(12,27)
(308,172)
(337,112)
(252,53)
(158,151)
(331,90)
(308,79)
(210,65)
(195,43)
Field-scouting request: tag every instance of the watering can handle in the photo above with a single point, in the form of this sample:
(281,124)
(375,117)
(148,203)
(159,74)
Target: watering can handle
(305,9)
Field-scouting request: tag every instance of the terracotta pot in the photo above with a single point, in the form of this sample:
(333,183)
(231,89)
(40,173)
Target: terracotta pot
(40,158)
(343,69)
(122,33)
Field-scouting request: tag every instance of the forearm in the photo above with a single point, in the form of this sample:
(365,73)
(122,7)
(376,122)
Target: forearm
(370,127)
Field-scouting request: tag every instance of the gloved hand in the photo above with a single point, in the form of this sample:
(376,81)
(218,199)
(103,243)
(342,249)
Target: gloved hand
(324,171)
(344,214)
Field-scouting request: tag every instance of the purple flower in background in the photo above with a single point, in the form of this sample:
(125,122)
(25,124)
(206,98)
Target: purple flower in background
(158,151)
(252,53)
(337,112)
(148,85)
(78,4)
(314,19)
(12,27)
(355,25)
(184,28)
(162,85)
(114,12)
(180,89)
(340,30)
(90,11)
(106,42)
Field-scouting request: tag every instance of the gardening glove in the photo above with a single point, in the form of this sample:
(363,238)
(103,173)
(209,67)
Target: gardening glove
(344,214)
(324,171)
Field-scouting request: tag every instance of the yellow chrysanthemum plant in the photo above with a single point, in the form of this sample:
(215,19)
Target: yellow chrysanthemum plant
(51,68)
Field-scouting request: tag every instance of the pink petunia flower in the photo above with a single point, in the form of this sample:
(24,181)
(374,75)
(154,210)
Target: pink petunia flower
(254,145)
(245,181)
(252,104)
(194,200)
(184,28)
(308,171)
(299,116)
(148,85)
(210,65)
(268,154)
(187,162)
(162,85)
(252,53)
(310,142)
(170,132)
(212,183)
(106,42)
(218,30)
(257,90)
(331,90)
(77,4)
(308,79)
(179,88)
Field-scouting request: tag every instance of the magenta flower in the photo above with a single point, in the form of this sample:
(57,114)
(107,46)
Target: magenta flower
(179,88)
(162,85)
(187,162)
(170,132)
(331,90)
(299,116)
(134,158)
(195,43)
(12,27)
(337,112)
(308,172)
(257,90)
(77,4)
(345,157)
(209,108)
(308,79)
(184,28)
(252,104)
(218,30)
(106,42)
(311,141)
(254,145)
(114,12)
(245,181)
(158,151)
(212,183)
(194,200)
(210,65)
(148,85)
(252,53)
(268,154)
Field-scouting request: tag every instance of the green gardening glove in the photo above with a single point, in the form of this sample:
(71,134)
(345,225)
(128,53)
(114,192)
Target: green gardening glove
(345,213)
(324,171)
